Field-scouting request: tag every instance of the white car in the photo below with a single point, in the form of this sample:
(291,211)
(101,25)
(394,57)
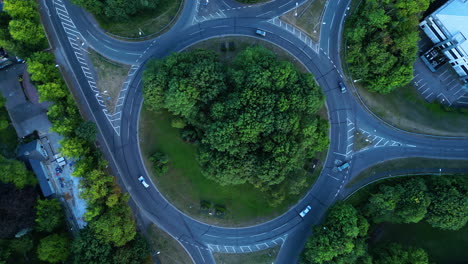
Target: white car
(142,180)
(305,211)
(260,32)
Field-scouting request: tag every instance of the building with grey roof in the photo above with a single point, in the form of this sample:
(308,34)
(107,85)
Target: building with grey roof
(447,28)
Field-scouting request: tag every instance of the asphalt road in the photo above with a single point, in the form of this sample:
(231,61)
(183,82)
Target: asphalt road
(72,30)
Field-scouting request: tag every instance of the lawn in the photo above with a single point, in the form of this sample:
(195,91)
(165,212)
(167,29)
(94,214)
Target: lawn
(110,77)
(149,22)
(309,17)
(404,108)
(407,163)
(266,256)
(171,252)
(185,186)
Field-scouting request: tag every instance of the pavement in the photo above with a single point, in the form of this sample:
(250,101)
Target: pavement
(70,29)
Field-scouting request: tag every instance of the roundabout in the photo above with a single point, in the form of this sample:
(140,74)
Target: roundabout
(119,131)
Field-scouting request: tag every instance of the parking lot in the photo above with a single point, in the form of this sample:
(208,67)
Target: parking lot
(442,86)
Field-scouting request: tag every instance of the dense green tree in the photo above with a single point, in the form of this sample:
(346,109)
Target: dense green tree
(54,248)
(117,9)
(73,147)
(22,245)
(27,31)
(340,238)
(41,66)
(255,122)
(87,249)
(14,171)
(4,124)
(115,225)
(133,252)
(49,215)
(449,206)
(397,254)
(405,202)
(382,42)
(98,185)
(87,130)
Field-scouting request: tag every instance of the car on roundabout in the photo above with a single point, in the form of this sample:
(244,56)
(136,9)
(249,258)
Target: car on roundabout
(143,182)
(305,211)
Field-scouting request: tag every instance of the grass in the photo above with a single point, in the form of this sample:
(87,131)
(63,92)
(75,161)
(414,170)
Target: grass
(405,109)
(308,19)
(8,137)
(266,256)
(171,252)
(110,77)
(185,186)
(407,163)
(149,22)
(360,141)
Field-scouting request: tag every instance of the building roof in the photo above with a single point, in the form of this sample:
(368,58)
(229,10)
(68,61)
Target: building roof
(454,17)
(32,150)
(41,176)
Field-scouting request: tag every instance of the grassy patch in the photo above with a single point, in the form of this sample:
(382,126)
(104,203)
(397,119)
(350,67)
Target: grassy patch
(171,252)
(266,256)
(308,19)
(407,163)
(148,22)
(8,137)
(360,141)
(185,186)
(110,77)
(405,109)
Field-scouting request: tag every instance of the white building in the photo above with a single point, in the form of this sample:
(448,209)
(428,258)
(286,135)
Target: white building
(447,27)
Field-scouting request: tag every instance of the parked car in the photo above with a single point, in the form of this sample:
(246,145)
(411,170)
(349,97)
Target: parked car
(343,166)
(305,211)
(261,32)
(342,87)
(142,180)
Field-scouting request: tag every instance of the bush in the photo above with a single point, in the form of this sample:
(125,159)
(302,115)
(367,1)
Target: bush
(160,163)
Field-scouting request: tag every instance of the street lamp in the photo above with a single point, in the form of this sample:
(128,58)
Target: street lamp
(295,11)
(355,81)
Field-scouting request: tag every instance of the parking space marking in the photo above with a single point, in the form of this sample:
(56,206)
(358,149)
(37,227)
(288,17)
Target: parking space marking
(429,95)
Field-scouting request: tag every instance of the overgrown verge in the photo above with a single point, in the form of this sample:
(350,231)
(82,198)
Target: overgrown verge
(348,234)
(381,41)
(111,236)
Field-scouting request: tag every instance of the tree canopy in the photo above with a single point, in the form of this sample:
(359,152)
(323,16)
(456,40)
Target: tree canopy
(382,42)
(14,171)
(254,121)
(54,248)
(17,209)
(49,215)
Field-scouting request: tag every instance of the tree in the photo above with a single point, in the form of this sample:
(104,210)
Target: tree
(49,215)
(4,124)
(42,69)
(87,249)
(259,132)
(17,209)
(87,130)
(340,238)
(449,207)
(54,248)
(405,202)
(396,254)
(21,8)
(14,171)
(22,245)
(133,252)
(382,42)
(98,185)
(73,147)
(115,225)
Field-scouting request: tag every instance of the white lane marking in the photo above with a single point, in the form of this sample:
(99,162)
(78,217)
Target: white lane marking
(263,14)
